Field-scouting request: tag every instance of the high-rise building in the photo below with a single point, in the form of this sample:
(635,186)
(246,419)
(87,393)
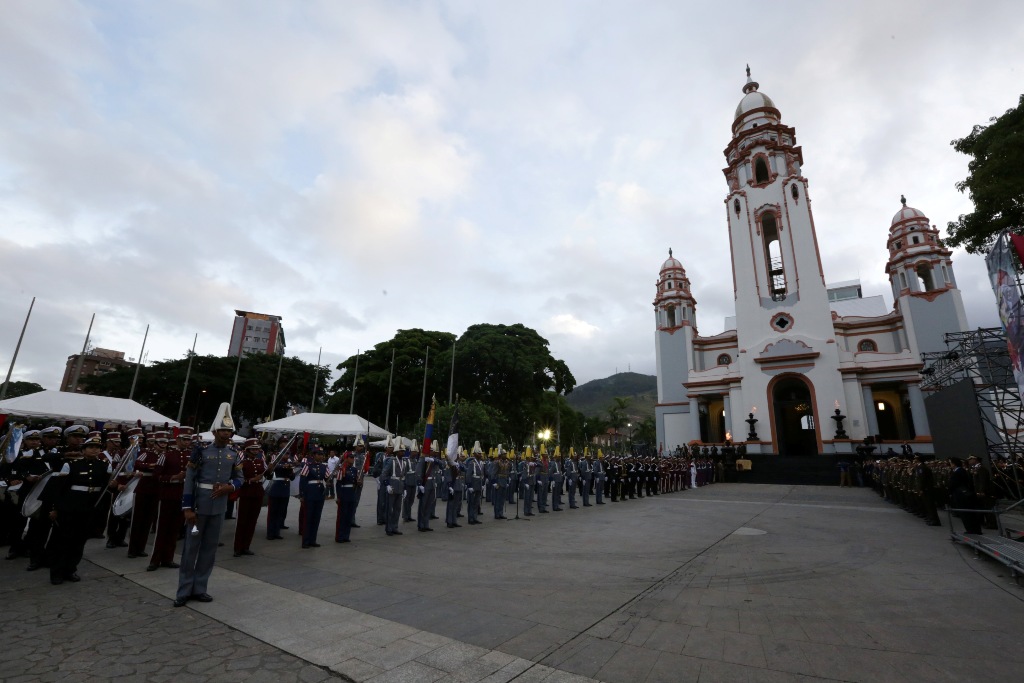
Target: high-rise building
(256,333)
(95,363)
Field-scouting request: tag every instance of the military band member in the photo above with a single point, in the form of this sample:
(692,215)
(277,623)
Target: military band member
(250,496)
(410,462)
(344,491)
(147,492)
(278,495)
(22,475)
(426,486)
(313,492)
(393,481)
(212,473)
(30,467)
(79,485)
(170,472)
(117,526)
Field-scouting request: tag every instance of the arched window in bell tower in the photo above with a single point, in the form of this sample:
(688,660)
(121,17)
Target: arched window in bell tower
(761,174)
(924,274)
(773,257)
(671,316)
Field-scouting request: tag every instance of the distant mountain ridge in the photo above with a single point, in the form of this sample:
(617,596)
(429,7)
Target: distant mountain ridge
(596,396)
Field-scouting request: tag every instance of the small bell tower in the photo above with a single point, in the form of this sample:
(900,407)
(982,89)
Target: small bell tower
(675,326)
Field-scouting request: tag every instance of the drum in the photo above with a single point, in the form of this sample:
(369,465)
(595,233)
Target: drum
(33,501)
(125,500)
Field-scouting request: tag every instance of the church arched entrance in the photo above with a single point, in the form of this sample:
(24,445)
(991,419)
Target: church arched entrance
(795,424)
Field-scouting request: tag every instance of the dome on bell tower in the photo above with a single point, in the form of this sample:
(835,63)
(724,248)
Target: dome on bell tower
(752,99)
(906,213)
(672,263)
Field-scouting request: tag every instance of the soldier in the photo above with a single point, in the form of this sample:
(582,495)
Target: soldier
(474,483)
(439,471)
(361,462)
(426,487)
(77,490)
(556,479)
(571,477)
(376,472)
(278,495)
(410,463)
(31,466)
(170,472)
(345,476)
(313,492)
(586,468)
(117,526)
(212,473)
(513,480)
(500,480)
(147,492)
(250,496)
(332,466)
(527,481)
(393,480)
(543,480)
(21,475)
(600,478)
(455,484)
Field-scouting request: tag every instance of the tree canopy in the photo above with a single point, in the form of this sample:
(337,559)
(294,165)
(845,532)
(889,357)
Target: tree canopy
(159,386)
(16,389)
(995,181)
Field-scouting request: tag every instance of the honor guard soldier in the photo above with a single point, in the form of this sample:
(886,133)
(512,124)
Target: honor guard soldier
(250,496)
(572,475)
(361,461)
(277,496)
(586,468)
(170,473)
(474,483)
(410,463)
(426,487)
(377,473)
(527,481)
(455,485)
(393,480)
(313,492)
(500,480)
(600,478)
(78,488)
(438,471)
(213,472)
(345,476)
(543,480)
(556,476)
(147,492)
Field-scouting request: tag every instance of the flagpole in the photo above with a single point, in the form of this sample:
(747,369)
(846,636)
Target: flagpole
(277,383)
(355,376)
(81,356)
(387,414)
(7,382)
(451,383)
(188,372)
(131,394)
(423,401)
(316,379)
(234,384)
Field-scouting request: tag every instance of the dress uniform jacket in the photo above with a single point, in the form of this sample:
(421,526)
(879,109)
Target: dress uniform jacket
(76,490)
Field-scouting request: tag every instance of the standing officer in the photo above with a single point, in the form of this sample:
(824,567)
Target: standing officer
(77,490)
(410,463)
(147,492)
(499,476)
(557,479)
(474,482)
(543,482)
(313,491)
(527,481)
(278,494)
(455,485)
(250,496)
(393,481)
(426,487)
(212,473)
(377,472)
(586,476)
(600,477)
(170,472)
(571,477)
(345,476)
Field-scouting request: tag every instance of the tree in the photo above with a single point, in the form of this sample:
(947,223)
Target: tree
(16,389)
(159,386)
(995,181)
(374,374)
(477,422)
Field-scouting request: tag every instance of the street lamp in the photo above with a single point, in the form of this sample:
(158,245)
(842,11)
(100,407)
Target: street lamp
(199,404)
(544,435)
(629,437)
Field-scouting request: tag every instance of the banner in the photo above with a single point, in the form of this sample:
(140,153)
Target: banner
(1002,271)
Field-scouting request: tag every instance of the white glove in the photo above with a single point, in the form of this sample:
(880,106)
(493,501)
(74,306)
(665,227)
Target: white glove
(422,490)
(551,486)
(451,491)
(404,494)
(495,486)
(469,489)
(390,490)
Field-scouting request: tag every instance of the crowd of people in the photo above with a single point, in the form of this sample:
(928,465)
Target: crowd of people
(148,491)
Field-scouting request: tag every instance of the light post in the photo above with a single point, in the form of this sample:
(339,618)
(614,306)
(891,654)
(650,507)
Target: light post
(544,435)
(199,403)
(629,437)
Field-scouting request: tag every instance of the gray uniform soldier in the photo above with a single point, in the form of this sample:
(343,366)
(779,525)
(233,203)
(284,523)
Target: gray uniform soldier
(557,479)
(426,486)
(586,476)
(571,478)
(411,481)
(527,481)
(212,473)
(392,478)
(543,483)
(600,475)
(500,469)
(474,483)
(375,472)
(455,485)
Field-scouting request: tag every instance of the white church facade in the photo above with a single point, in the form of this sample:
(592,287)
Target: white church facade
(799,349)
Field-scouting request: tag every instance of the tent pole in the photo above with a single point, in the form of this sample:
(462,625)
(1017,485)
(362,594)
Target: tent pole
(387,414)
(234,384)
(81,356)
(188,371)
(3,389)
(131,394)
(277,383)
(355,376)
(316,379)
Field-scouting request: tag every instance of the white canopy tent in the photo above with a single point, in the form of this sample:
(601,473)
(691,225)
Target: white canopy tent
(63,405)
(323,424)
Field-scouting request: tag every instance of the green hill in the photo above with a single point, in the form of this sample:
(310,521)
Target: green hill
(596,396)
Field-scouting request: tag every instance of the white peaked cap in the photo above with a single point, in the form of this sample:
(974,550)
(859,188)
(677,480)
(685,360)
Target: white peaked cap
(389,443)
(434,448)
(501,449)
(415,448)
(476,448)
(223,419)
(359,440)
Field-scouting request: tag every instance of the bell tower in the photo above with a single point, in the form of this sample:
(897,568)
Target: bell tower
(675,326)
(924,288)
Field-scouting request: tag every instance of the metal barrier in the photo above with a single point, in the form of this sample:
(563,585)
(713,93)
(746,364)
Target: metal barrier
(999,547)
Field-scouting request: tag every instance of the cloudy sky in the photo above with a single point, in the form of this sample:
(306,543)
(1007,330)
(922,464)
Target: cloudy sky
(360,167)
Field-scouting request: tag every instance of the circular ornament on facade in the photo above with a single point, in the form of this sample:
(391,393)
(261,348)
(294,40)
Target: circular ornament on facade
(782,322)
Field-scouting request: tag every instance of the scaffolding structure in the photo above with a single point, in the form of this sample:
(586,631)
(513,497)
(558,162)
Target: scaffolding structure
(982,356)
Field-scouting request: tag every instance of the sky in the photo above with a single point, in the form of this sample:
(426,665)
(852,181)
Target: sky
(363,167)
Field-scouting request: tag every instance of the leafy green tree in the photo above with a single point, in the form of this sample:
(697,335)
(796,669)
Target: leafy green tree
(159,386)
(16,389)
(374,374)
(477,422)
(995,181)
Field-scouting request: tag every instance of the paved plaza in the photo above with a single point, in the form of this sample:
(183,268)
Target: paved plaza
(731,582)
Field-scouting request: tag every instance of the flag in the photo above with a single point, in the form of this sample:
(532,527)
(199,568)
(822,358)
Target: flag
(453,436)
(428,434)
(13,442)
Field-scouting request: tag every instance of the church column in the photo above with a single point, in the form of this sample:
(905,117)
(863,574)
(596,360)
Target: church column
(917,411)
(695,418)
(869,411)
(728,413)
(735,396)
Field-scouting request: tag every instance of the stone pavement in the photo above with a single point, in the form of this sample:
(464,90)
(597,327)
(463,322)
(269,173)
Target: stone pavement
(728,582)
